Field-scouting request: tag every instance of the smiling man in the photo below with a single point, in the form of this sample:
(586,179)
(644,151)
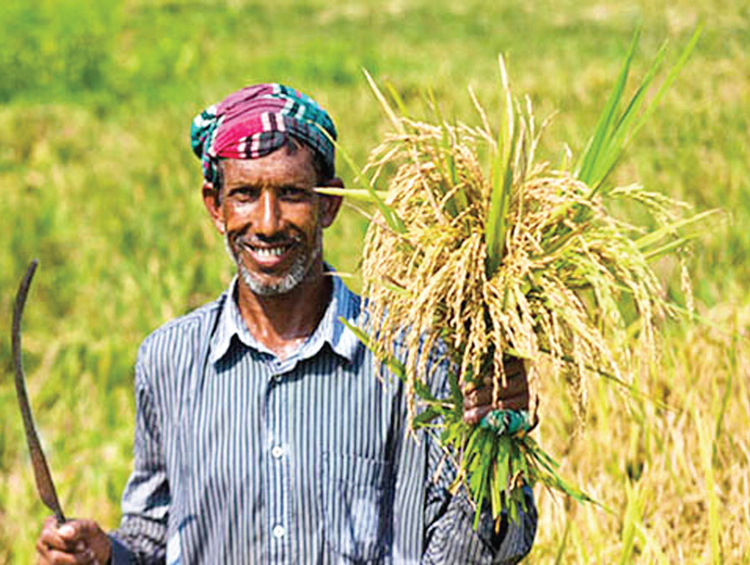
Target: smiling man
(263,434)
(273,233)
(272,221)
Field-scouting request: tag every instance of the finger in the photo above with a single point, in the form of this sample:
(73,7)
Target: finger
(94,543)
(86,557)
(517,390)
(58,557)
(517,402)
(488,383)
(514,387)
(74,535)
(513,368)
(470,387)
(50,536)
(475,415)
(41,552)
(479,397)
(512,371)
(68,543)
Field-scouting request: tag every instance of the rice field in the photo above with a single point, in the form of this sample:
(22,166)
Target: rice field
(99,183)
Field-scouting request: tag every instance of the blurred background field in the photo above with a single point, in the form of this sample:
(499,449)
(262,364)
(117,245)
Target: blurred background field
(98,182)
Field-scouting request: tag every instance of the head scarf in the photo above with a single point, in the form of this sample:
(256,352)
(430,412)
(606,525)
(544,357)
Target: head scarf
(255,121)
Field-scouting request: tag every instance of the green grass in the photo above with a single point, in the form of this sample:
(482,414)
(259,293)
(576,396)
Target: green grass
(98,181)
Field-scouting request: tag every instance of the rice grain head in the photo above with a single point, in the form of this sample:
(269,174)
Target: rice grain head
(568,265)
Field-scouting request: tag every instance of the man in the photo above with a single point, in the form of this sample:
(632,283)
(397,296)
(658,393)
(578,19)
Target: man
(263,433)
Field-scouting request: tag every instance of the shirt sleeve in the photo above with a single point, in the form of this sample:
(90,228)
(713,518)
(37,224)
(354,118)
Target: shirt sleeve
(449,533)
(450,536)
(141,537)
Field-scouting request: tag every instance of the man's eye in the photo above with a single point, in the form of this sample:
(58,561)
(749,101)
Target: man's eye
(294,193)
(244,194)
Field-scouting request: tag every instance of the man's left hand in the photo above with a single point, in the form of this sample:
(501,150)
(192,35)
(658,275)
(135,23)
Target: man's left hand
(478,397)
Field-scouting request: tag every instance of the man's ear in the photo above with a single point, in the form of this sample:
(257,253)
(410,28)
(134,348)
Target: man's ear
(212,202)
(330,204)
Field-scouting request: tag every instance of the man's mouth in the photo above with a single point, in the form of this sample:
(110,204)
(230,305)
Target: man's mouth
(268,255)
(268,251)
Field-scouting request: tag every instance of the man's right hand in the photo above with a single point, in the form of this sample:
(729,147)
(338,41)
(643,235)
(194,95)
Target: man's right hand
(76,541)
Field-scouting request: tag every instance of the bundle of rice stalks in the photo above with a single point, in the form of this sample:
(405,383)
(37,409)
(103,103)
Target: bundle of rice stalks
(481,253)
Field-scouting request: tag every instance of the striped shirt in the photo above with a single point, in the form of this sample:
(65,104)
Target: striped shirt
(242,457)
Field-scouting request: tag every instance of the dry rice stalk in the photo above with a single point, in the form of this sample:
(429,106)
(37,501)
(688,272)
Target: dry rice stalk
(517,259)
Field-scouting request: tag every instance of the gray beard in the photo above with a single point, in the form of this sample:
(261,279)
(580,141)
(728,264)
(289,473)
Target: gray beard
(299,271)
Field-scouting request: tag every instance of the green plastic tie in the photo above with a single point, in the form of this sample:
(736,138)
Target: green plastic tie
(506,422)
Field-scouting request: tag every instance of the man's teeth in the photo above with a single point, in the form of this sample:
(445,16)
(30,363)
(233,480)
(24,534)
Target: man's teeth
(269,251)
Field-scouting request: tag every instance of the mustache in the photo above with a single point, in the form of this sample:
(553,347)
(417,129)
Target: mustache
(253,240)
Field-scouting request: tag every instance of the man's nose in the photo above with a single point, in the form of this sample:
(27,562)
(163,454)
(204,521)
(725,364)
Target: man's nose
(269,214)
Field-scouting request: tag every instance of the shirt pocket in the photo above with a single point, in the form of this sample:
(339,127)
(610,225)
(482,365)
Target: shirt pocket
(357,504)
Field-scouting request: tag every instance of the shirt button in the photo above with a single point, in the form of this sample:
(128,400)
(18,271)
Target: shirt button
(278,532)
(277,451)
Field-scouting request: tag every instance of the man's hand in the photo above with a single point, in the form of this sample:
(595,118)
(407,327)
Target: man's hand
(76,541)
(478,398)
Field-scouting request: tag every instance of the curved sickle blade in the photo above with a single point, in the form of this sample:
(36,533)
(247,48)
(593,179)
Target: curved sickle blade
(44,483)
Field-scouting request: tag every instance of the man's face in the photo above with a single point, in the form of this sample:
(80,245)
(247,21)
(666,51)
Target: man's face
(272,219)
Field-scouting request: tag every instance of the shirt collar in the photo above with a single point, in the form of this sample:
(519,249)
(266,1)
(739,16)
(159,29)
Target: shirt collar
(344,304)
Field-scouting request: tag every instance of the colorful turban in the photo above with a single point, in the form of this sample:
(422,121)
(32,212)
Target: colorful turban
(255,121)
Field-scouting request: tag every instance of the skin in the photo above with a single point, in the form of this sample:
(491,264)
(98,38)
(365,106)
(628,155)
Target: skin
(514,396)
(76,541)
(269,205)
(272,220)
